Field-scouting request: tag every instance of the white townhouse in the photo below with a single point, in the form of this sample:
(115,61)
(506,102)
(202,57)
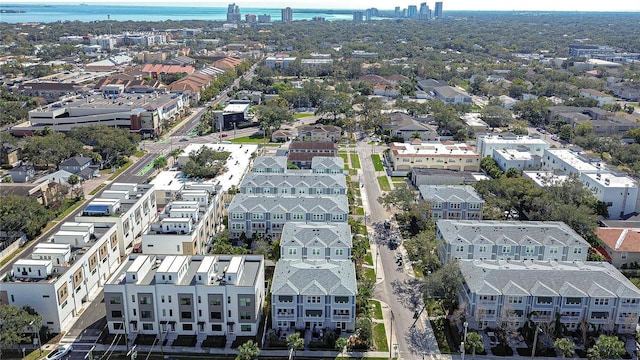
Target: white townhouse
(487,143)
(500,292)
(59,277)
(267,214)
(509,240)
(131,207)
(294,183)
(270,164)
(460,202)
(327,165)
(197,295)
(316,241)
(184,227)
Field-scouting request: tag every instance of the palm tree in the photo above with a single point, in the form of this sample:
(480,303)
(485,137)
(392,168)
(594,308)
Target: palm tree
(341,343)
(474,344)
(564,347)
(295,343)
(248,351)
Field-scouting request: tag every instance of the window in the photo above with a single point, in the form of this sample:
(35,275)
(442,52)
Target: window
(216,315)
(133,298)
(544,300)
(313,299)
(237,216)
(454,206)
(577,250)
(215,302)
(145,314)
(277,216)
(245,301)
(315,251)
(623,255)
(116,314)
(506,249)
(169,295)
(460,248)
(257,216)
(147,326)
(145,300)
(285,298)
(514,299)
(245,315)
(573,301)
(482,248)
(436,205)
(186,315)
(341,299)
(185,301)
(337,217)
(216,327)
(297,216)
(187,327)
(116,300)
(601,301)
(529,249)
(245,328)
(292,251)
(339,252)
(553,250)
(318,217)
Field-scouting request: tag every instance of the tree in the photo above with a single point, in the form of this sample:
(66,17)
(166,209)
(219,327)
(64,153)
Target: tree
(295,343)
(496,116)
(606,347)
(402,197)
(23,214)
(73,180)
(14,322)
(205,163)
(564,347)
(364,331)
(160,163)
(248,351)
(474,344)
(445,284)
(341,343)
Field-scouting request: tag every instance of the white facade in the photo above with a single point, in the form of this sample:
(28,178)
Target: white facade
(186,295)
(514,158)
(618,192)
(487,143)
(62,281)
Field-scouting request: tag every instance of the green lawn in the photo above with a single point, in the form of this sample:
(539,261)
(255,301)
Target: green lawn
(377,162)
(355,161)
(380,338)
(302,115)
(250,140)
(95,191)
(376,309)
(120,170)
(358,211)
(383,181)
(370,274)
(344,157)
(368,259)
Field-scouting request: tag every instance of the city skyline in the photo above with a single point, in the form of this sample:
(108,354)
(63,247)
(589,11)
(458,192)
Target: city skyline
(454,5)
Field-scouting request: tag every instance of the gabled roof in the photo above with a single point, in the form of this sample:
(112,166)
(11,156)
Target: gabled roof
(295,180)
(547,278)
(270,162)
(321,277)
(450,193)
(76,161)
(327,162)
(550,233)
(620,239)
(334,204)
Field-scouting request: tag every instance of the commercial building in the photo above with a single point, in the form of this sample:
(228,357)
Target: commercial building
(459,202)
(435,155)
(509,240)
(511,292)
(169,296)
(59,277)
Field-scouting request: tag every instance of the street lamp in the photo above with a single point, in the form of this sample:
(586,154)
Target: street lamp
(464,339)
(391,336)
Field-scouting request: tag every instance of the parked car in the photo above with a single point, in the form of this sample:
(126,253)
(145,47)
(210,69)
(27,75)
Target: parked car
(224,135)
(60,352)
(493,340)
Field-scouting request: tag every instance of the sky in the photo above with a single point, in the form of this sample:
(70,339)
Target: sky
(508,5)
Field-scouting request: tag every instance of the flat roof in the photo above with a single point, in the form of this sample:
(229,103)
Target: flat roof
(571,158)
(611,180)
(545,178)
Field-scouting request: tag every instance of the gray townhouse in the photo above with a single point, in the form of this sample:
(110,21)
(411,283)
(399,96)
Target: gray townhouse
(294,183)
(459,202)
(314,282)
(509,240)
(267,214)
(500,293)
(270,164)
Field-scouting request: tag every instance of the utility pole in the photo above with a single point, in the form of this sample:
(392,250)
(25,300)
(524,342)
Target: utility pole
(391,337)
(535,342)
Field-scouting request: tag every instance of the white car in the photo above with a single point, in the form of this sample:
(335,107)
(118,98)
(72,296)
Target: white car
(60,352)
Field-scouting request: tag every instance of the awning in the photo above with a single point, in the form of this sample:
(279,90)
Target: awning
(163,322)
(133,322)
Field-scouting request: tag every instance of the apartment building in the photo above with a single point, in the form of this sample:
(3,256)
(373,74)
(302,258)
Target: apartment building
(487,143)
(183,227)
(267,214)
(199,295)
(509,240)
(460,202)
(505,293)
(301,153)
(315,241)
(327,165)
(270,164)
(319,132)
(298,182)
(59,277)
(131,207)
(435,155)
(622,245)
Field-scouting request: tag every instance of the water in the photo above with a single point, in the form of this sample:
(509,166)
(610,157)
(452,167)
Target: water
(88,13)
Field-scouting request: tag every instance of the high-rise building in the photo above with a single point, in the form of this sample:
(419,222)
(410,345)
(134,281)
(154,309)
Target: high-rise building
(412,11)
(233,12)
(287,14)
(358,15)
(250,18)
(425,12)
(397,11)
(438,11)
(264,18)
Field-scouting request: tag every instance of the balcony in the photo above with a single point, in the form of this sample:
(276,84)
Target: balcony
(313,314)
(285,316)
(340,317)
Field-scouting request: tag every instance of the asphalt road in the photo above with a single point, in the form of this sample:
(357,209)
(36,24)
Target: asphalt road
(399,291)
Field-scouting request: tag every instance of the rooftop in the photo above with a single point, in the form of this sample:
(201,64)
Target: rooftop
(321,277)
(514,154)
(433,148)
(325,234)
(574,160)
(607,179)
(449,193)
(489,232)
(306,180)
(546,278)
(335,204)
(620,239)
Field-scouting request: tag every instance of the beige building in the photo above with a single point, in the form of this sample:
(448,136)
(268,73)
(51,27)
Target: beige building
(402,157)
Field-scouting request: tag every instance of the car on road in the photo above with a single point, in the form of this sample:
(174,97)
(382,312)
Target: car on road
(60,352)
(224,135)
(184,139)
(555,138)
